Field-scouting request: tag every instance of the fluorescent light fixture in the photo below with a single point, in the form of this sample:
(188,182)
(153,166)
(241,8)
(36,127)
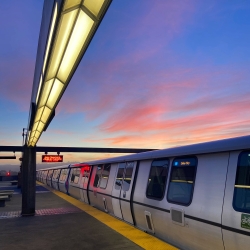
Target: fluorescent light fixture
(50,36)
(39,88)
(78,37)
(54,93)
(70,33)
(94,6)
(242,186)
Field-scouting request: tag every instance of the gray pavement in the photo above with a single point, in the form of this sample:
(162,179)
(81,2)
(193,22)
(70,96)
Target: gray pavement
(76,230)
(43,201)
(5,184)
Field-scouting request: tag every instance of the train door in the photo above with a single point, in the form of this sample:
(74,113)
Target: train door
(121,192)
(45,177)
(62,180)
(73,183)
(236,208)
(84,183)
(54,179)
(51,176)
(57,179)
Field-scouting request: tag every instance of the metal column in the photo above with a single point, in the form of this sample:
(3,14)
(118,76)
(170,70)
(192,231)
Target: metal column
(28,181)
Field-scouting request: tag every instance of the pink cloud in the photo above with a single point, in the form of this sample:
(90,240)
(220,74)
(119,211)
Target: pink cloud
(192,100)
(175,134)
(181,97)
(16,81)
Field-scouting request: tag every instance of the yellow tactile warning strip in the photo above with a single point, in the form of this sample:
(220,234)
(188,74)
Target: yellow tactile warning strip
(140,238)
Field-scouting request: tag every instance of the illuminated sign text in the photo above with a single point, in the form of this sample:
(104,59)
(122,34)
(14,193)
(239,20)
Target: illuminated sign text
(185,163)
(52,158)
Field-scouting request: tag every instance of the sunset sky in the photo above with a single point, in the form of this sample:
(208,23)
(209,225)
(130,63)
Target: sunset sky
(157,74)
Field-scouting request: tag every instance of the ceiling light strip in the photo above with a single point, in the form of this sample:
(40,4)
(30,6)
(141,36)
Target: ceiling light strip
(77,25)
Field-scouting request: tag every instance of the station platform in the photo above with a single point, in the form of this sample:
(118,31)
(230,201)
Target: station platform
(62,222)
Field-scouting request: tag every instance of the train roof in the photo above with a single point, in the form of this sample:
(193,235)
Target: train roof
(63,166)
(225,145)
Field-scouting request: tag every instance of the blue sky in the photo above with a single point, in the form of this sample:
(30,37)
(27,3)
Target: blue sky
(157,74)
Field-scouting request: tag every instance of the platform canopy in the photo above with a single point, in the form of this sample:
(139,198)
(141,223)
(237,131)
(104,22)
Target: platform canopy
(67,29)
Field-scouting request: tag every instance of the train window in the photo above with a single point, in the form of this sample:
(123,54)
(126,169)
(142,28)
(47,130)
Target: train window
(75,174)
(119,176)
(157,179)
(85,173)
(105,176)
(127,176)
(57,174)
(98,176)
(124,175)
(181,185)
(61,175)
(54,174)
(64,174)
(241,200)
(50,174)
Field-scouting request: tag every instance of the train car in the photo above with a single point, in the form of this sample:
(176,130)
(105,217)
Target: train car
(195,197)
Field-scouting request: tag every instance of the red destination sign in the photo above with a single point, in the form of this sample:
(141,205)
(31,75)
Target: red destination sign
(52,158)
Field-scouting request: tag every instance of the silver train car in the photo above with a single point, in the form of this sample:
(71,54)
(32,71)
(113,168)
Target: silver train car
(195,197)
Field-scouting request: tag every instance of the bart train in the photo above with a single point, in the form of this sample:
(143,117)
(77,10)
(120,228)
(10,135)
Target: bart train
(194,197)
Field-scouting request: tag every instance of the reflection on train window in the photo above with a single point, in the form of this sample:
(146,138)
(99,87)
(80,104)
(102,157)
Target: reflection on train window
(98,176)
(85,170)
(50,174)
(105,176)
(127,176)
(102,176)
(119,177)
(157,179)
(63,175)
(181,185)
(55,174)
(75,175)
(58,174)
(241,200)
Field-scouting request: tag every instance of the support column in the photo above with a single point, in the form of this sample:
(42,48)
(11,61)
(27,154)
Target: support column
(29,181)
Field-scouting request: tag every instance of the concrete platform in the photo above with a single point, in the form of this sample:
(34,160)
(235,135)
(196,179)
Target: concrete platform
(57,225)
(62,222)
